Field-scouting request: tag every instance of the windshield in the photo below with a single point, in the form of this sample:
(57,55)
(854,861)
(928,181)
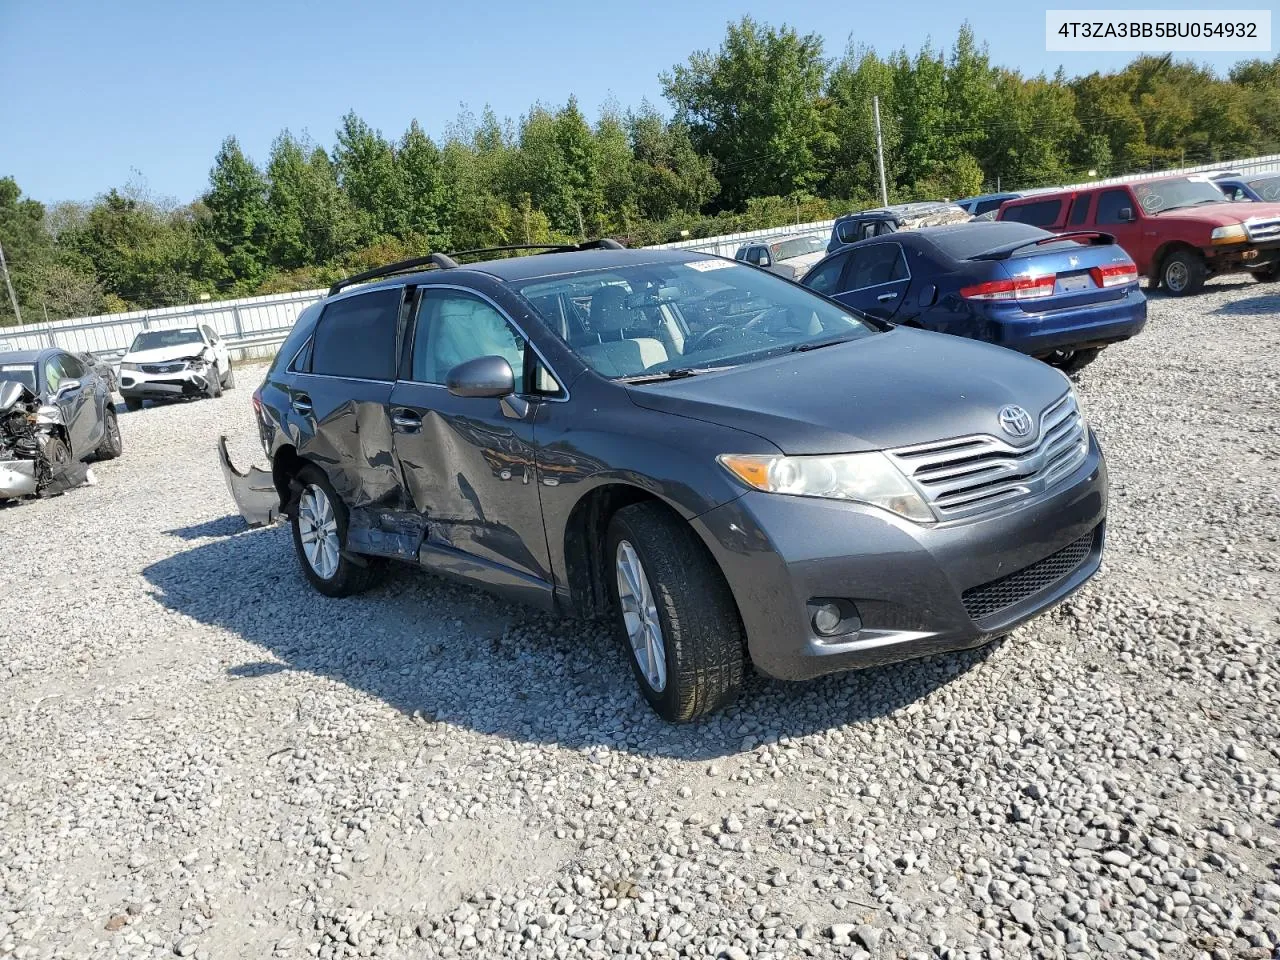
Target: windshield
(165,338)
(1171,194)
(647,319)
(1268,188)
(23,373)
(798,247)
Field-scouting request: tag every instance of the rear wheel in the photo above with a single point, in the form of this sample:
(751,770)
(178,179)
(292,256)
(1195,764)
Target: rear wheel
(1183,272)
(319,521)
(1072,361)
(229,381)
(213,386)
(674,612)
(111,446)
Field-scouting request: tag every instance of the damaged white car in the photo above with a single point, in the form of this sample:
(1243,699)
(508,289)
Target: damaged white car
(171,364)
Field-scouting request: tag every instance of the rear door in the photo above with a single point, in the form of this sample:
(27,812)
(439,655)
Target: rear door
(876,279)
(469,463)
(338,404)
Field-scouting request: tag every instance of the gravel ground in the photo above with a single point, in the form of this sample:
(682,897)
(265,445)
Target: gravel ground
(203,757)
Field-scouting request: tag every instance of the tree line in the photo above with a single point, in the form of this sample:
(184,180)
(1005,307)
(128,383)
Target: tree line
(764,131)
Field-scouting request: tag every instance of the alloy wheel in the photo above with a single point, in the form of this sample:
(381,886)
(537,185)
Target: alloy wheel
(1176,276)
(640,617)
(318,531)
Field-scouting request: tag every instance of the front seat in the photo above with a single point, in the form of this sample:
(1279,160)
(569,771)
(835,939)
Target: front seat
(465,329)
(618,355)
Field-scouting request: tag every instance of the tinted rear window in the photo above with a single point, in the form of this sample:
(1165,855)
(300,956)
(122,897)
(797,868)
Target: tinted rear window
(969,241)
(356,337)
(1042,213)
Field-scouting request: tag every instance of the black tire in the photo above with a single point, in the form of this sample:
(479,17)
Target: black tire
(349,577)
(1072,361)
(111,446)
(229,381)
(1183,273)
(702,635)
(213,387)
(1268,274)
(132,404)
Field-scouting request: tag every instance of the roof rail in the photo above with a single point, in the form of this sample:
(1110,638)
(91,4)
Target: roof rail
(443,261)
(438,260)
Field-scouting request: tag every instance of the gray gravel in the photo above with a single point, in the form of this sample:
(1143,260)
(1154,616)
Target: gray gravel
(204,758)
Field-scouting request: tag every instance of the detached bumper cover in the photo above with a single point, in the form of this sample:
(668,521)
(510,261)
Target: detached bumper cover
(918,590)
(254,492)
(17,478)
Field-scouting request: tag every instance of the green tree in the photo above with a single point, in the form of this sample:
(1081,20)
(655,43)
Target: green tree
(237,214)
(28,249)
(753,108)
(367,171)
(850,164)
(309,220)
(424,192)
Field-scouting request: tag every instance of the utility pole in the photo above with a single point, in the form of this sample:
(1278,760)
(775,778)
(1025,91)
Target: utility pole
(13,297)
(884,188)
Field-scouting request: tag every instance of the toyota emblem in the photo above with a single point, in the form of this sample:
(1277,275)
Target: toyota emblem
(1015,421)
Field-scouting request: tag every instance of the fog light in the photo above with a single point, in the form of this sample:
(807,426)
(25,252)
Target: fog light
(827,618)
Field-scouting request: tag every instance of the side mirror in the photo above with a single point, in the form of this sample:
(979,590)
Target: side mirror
(1126,214)
(482,377)
(765,260)
(65,387)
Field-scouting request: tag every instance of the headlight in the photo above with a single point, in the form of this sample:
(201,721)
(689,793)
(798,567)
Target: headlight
(1232,233)
(1071,389)
(130,366)
(864,477)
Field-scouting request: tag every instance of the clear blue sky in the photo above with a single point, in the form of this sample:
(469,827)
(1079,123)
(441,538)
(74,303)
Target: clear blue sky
(91,91)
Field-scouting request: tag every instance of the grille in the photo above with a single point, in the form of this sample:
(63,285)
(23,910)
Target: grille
(163,367)
(990,598)
(1260,230)
(971,475)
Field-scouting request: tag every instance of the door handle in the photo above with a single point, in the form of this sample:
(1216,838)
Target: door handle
(886,296)
(301,403)
(406,420)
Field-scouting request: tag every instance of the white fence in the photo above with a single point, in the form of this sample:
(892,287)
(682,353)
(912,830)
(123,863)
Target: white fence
(254,325)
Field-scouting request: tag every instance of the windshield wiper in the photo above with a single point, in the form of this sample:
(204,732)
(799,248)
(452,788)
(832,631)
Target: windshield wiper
(678,374)
(819,344)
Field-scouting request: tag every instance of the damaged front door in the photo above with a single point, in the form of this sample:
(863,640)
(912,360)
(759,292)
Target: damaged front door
(468,462)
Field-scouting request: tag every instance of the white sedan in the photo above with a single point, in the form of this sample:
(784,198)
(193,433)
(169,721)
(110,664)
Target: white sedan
(169,364)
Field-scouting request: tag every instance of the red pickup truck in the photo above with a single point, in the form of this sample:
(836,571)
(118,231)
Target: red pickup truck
(1179,230)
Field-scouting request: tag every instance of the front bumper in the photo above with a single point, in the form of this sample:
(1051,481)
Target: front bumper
(914,586)
(1252,255)
(1073,328)
(254,492)
(17,478)
(141,385)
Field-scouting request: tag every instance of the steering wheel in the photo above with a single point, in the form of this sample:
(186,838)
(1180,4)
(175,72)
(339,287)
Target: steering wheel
(699,340)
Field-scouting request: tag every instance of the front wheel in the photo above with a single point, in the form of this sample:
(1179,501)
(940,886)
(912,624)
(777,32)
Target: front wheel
(319,521)
(229,381)
(674,612)
(1184,272)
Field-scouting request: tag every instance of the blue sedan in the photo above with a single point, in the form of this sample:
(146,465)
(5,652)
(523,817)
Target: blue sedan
(1059,297)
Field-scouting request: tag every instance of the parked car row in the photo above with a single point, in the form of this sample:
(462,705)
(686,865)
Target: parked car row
(735,468)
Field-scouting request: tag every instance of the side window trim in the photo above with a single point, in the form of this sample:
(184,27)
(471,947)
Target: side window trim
(412,332)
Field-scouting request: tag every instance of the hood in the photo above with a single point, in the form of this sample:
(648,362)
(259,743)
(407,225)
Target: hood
(13,393)
(793,268)
(181,351)
(1223,214)
(890,390)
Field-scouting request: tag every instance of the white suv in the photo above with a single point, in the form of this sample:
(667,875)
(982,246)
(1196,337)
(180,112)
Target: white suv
(168,364)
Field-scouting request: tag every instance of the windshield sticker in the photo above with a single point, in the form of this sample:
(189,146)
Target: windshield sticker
(702,266)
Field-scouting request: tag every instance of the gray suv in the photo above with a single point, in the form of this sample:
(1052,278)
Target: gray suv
(737,470)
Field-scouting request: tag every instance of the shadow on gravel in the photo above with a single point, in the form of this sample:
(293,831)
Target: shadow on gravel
(452,653)
(222,527)
(1267,302)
